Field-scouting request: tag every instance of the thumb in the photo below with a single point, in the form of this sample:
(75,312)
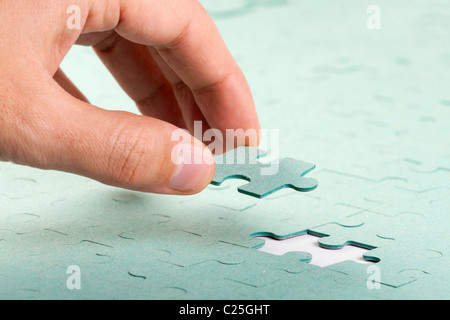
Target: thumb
(116,148)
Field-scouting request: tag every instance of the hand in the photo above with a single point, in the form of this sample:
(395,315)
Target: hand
(166,54)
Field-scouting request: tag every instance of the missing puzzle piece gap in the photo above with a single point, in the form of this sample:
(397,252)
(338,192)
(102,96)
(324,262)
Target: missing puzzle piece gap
(314,253)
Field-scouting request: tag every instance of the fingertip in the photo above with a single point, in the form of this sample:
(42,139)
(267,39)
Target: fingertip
(195,168)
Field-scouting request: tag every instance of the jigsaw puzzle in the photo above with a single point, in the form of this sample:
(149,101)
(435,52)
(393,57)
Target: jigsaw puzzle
(372,114)
(264,179)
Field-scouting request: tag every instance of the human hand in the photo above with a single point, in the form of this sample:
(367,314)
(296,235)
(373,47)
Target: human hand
(166,54)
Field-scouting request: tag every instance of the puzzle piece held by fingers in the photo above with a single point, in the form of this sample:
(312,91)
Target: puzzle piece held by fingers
(264,179)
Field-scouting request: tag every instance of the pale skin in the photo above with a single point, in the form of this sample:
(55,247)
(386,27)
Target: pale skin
(167,55)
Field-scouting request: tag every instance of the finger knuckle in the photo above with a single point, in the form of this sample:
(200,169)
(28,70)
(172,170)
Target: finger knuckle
(130,156)
(10,123)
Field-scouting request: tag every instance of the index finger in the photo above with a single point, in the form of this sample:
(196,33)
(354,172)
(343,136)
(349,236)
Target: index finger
(189,42)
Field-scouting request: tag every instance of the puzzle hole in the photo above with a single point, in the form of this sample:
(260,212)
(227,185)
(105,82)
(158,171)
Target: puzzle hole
(308,243)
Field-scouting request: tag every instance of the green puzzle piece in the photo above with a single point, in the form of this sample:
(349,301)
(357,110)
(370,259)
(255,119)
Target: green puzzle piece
(264,179)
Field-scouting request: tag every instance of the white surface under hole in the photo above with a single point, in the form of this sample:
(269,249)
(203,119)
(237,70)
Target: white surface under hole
(320,256)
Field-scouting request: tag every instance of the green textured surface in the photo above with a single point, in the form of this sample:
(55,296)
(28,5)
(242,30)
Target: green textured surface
(371,108)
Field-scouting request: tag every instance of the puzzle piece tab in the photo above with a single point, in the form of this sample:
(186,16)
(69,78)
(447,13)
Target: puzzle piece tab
(264,179)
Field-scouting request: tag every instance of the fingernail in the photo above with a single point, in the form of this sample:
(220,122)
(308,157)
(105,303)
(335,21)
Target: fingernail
(194,167)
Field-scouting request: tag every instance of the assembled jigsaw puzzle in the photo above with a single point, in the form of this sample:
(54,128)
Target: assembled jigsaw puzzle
(369,107)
